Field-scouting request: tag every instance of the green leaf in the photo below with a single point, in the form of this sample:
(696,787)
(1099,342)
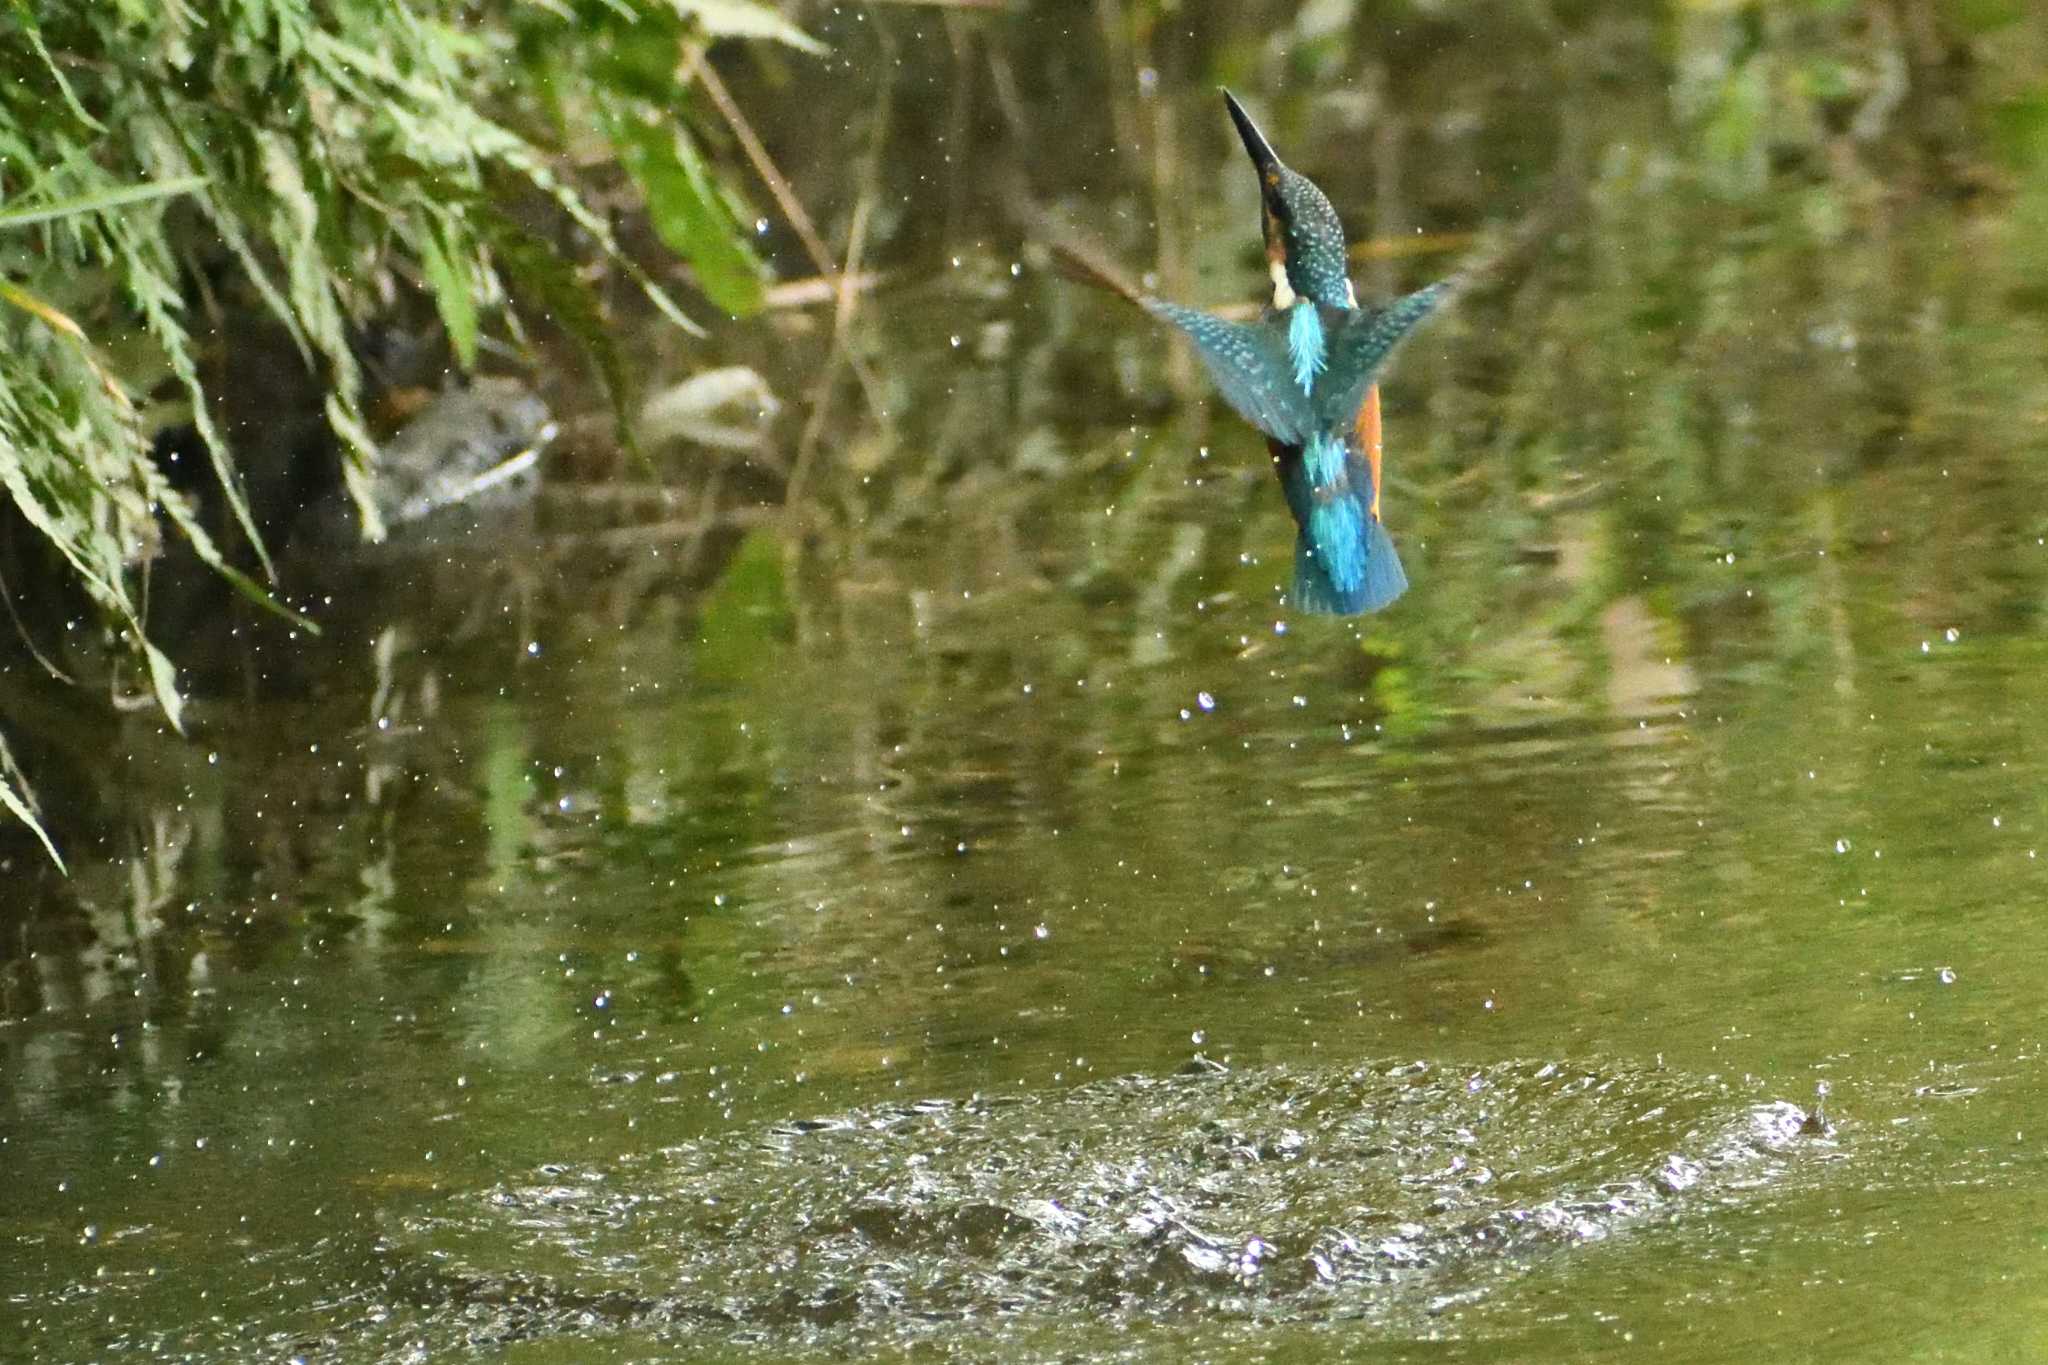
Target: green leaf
(746,620)
(1985,16)
(746,19)
(105,199)
(535,268)
(14,799)
(179,509)
(163,681)
(453,296)
(687,213)
(359,468)
(2020,129)
(26,17)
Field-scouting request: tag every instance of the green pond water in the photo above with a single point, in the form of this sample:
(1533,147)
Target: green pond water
(975,919)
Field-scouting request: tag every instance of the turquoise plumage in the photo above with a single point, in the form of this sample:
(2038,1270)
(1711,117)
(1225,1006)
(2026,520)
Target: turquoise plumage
(1344,562)
(1305,374)
(1305,343)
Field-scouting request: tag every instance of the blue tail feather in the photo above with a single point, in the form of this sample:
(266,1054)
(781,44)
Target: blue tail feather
(1344,560)
(1385,580)
(1346,578)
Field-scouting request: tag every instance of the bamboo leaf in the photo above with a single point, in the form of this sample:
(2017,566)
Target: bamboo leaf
(452,296)
(15,796)
(359,469)
(163,681)
(102,200)
(536,268)
(746,19)
(688,214)
(149,286)
(26,17)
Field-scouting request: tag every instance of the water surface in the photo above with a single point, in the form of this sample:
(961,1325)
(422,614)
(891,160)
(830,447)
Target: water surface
(974,918)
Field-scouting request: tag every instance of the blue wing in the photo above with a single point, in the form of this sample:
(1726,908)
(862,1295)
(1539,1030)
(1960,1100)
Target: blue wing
(1358,350)
(1250,365)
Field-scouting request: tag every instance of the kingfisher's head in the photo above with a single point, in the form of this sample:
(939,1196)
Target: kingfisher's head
(1304,240)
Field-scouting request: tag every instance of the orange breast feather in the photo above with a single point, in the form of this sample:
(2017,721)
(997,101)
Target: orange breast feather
(1368,428)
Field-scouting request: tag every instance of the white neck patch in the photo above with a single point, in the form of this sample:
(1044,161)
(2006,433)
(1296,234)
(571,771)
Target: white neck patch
(1283,292)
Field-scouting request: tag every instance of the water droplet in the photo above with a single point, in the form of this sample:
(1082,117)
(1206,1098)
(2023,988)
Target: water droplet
(1205,701)
(760,227)
(1841,845)
(1199,1037)
(1951,635)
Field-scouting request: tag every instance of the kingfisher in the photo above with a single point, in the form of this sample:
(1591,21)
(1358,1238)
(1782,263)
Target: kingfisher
(1305,373)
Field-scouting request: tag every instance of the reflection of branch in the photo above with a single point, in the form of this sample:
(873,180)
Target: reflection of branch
(958,117)
(1123,67)
(28,641)
(842,320)
(848,296)
(1415,244)
(818,289)
(1169,253)
(1387,202)
(846,284)
(764,166)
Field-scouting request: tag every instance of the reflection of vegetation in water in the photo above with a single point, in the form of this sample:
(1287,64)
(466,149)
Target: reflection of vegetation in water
(1722,393)
(1745,334)
(1005,778)
(171,165)
(1753,282)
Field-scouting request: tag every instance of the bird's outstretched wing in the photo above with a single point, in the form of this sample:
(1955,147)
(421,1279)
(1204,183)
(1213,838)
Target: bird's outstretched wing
(1250,366)
(1358,350)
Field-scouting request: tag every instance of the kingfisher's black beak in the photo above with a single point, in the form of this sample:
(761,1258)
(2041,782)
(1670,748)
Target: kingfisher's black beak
(1255,145)
(1273,210)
